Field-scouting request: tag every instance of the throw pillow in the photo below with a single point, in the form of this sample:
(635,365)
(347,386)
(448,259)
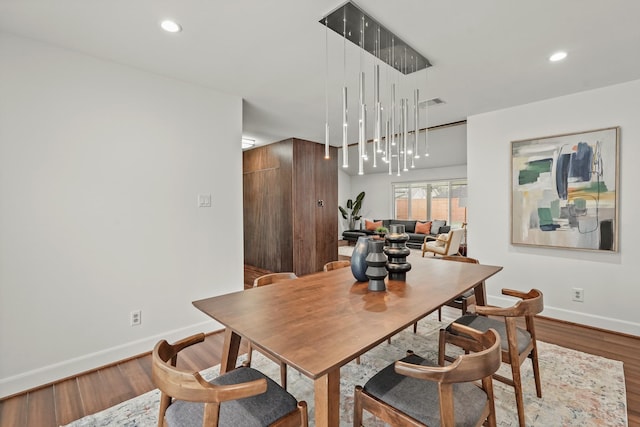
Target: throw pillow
(442,239)
(371,226)
(423,227)
(436,224)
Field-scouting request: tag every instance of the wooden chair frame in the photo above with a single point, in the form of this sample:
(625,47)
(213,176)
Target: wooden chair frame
(446,249)
(530,304)
(466,368)
(176,383)
(334,265)
(264,280)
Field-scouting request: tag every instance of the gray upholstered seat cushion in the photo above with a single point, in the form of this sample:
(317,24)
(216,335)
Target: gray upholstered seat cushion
(482,323)
(260,410)
(419,398)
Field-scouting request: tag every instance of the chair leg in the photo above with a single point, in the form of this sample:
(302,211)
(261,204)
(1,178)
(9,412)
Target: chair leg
(357,407)
(415,328)
(439,314)
(517,385)
(536,370)
(358,360)
(442,342)
(247,362)
(283,375)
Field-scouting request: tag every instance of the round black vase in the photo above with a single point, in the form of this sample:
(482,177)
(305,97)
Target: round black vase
(358,259)
(397,251)
(376,262)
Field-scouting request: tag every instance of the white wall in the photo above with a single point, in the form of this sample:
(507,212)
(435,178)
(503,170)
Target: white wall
(609,280)
(100,168)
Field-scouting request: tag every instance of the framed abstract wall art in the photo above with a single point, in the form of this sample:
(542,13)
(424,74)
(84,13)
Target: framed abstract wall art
(565,191)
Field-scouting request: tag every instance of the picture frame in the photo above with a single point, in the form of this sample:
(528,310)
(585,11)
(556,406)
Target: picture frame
(565,190)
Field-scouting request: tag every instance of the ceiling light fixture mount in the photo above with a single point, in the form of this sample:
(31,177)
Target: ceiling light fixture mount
(347,21)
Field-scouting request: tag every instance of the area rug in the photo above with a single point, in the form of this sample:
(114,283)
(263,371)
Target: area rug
(578,389)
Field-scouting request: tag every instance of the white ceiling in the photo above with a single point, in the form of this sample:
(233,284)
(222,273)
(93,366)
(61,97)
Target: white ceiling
(486,55)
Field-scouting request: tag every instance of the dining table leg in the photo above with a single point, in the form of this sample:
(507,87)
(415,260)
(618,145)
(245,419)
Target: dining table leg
(230,351)
(480,293)
(327,399)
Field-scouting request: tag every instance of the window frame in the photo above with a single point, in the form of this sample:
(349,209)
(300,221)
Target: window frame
(428,185)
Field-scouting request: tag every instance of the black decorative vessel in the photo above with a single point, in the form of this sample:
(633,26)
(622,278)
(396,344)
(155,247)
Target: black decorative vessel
(397,252)
(358,258)
(376,266)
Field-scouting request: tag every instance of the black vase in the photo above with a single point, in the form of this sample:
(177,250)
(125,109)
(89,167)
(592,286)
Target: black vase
(376,262)
(358,258)
(397,251)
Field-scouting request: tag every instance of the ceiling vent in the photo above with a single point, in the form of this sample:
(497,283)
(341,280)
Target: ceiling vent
(431,102)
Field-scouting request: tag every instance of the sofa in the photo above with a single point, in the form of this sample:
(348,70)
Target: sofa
(415,239)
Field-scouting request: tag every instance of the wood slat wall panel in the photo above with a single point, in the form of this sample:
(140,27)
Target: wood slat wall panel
(284,228)
(267,206)
(304,207)
(327,225)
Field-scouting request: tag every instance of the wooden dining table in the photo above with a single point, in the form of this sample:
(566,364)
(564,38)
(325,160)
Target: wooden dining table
(319,322)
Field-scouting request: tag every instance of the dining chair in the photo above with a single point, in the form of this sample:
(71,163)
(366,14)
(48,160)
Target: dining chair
(268,279)
(334,265)
(416,392)
(243,396)
(518,344)
(449,246)
(461,302)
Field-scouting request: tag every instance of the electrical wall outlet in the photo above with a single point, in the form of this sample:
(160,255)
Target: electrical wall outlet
(577,294)
(135,317)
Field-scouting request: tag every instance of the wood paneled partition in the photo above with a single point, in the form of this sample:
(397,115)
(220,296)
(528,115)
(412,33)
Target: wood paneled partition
(290,194)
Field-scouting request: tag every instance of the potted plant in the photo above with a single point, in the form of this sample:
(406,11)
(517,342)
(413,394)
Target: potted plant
(381,231)
(352,210)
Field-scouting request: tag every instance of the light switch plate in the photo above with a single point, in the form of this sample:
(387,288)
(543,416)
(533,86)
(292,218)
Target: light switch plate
(204,200)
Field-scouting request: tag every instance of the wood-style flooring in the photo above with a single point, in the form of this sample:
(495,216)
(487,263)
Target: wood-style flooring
(73,398)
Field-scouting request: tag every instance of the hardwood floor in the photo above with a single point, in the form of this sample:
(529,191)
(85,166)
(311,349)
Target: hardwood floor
(73,398)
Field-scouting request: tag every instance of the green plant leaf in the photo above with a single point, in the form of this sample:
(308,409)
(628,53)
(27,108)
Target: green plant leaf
(343,212)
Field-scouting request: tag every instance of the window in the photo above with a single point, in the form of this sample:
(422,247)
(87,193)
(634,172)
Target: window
(431,200)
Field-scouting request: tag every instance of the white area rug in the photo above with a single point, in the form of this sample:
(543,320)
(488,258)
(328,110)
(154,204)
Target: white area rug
(578,389)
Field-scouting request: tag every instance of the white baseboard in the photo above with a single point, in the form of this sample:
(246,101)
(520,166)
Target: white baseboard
(47,374)
(610,324)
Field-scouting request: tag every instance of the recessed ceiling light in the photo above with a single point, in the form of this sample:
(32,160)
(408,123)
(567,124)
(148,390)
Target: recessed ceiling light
(558,56)
(248,143)
(170,26)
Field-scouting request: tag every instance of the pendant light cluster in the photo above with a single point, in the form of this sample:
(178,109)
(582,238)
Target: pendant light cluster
(396,127)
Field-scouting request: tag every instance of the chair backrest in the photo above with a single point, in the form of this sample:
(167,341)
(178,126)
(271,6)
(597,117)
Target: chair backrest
(334,265)
(460,259)
(467,367)
(270,278)
(453,241)
(470,367)
(180,384)
(530,304)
